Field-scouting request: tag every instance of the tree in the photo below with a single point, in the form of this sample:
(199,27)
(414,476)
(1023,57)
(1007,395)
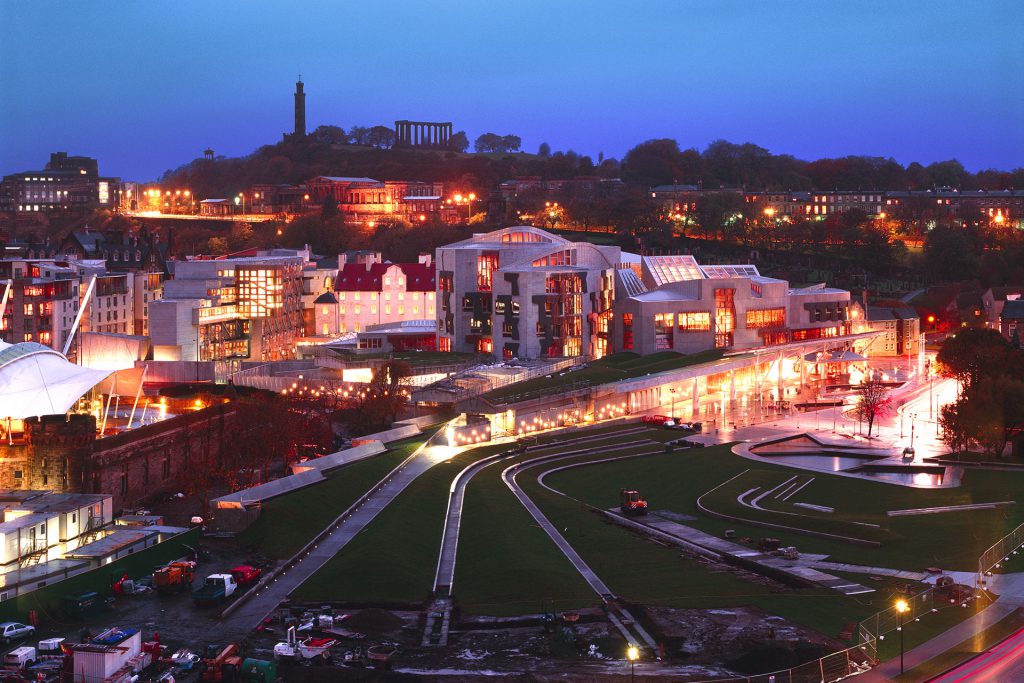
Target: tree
(949,254)
(458,142)
(330,135)
(360,135)
(381,137)
(491,142)
(511,143)
(975,353)
(217,246)
(654,162)
(544,150)
(873,400)
(330,208)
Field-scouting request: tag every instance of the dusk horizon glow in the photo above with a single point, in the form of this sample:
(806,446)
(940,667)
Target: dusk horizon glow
(921,82)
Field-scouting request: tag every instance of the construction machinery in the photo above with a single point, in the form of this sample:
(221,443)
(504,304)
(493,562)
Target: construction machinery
(223,665)
(175,577)
(632,503)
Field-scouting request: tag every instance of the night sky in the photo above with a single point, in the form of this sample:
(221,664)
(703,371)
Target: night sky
(146,86)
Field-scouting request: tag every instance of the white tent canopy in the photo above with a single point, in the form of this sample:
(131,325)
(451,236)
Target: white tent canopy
(36,380)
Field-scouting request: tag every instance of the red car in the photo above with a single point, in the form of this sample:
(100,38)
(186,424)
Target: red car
(245,574)
(655,419)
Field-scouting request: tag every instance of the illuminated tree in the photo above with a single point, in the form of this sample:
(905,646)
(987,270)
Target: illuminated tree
(873,401)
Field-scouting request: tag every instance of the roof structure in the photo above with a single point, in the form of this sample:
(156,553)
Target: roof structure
(666,269)
(739,270)
(1014,308)
(36,380)
(326,298)
(357,277)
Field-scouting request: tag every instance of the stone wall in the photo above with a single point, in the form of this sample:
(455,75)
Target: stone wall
(61,453)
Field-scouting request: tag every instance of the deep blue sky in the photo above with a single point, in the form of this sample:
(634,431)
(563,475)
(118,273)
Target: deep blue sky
(146,86)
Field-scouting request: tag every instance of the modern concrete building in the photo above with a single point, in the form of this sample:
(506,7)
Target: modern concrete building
(676,304)
(521,292)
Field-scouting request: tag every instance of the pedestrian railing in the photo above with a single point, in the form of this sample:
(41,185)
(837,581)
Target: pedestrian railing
(999,553)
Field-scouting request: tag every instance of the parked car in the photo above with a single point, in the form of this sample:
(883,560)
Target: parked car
(246,574)
(12,630)
(655,419)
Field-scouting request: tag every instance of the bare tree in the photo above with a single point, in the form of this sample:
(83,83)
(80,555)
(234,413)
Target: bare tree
(873,400)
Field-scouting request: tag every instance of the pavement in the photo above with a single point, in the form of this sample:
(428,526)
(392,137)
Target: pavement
(249,615)
(1003,662)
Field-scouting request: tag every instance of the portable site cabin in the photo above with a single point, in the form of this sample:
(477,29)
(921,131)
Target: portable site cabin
(105,654)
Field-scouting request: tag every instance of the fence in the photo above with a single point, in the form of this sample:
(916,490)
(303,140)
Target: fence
(999,552)
(878,625)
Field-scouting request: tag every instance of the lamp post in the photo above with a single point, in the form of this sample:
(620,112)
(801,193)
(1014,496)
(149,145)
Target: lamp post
(632,654)
(673,391)
(901,608)
(912,416)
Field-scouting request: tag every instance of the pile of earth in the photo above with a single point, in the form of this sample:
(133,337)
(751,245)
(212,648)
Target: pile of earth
(373,621)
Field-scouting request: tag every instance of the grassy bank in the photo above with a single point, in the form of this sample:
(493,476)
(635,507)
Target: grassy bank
(288,522)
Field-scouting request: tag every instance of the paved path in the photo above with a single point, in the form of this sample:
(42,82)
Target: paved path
(600,587)
(250,614)
(948,639)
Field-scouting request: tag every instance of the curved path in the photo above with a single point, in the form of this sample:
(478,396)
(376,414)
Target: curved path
(439,615)
(619,615)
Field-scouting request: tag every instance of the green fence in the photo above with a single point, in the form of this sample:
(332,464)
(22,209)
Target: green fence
(46,601)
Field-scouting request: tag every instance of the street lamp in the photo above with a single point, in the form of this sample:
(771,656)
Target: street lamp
(901,608)
(673,391)
(912,417)
(632,654)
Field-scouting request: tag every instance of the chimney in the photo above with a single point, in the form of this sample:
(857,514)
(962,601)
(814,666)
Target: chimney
(342,260)
(425,259)
(864,298)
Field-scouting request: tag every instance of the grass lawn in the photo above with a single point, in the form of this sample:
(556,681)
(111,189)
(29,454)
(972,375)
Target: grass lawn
(644,572)
(288,522)
(612,368)
(392,561)
(674,482)
(506,564)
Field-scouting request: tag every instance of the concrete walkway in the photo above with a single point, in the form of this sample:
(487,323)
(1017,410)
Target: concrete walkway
(250,614)
(803,568)
(948,639)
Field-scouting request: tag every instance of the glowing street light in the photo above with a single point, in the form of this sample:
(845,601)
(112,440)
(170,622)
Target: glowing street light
(632,654)
(770,212)
(901,608)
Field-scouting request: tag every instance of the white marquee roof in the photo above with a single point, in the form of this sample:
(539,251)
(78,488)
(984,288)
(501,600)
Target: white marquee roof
(36,380)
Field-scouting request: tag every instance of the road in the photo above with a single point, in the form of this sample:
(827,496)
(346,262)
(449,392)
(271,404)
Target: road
(1004,662)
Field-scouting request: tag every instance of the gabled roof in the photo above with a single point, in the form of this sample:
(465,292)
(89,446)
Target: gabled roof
(356,277)
(1014,308)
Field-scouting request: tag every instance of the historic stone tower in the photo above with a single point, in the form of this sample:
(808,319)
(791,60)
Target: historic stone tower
(300,110)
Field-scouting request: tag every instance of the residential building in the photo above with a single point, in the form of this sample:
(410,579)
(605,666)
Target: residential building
(901,327)
(369,291)
(995,298)
(230,309)
(43,302)
(66,183)
(816,203)
(678,305)
(522,292)
(1011,321)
